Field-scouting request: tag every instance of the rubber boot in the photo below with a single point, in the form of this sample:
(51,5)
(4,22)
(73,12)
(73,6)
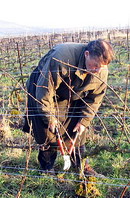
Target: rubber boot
(47,158)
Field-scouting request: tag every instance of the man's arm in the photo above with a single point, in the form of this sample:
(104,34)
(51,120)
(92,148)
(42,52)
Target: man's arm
(91,104)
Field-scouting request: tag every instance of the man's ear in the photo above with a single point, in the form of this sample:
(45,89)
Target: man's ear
(86,53)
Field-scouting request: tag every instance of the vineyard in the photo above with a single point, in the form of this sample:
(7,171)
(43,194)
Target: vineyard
(108,139)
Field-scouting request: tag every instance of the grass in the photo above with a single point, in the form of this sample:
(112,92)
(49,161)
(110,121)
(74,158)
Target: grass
(112,164)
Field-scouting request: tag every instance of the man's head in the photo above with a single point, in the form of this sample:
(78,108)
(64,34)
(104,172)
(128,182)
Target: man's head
(98,54)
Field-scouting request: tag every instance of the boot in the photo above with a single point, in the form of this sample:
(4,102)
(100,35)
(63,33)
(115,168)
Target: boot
(47,158)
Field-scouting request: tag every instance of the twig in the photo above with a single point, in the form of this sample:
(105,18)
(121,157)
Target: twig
(20,64)
(26,167)
(85,70)
(126,130)
(20,86)
(124,190)
(92,110)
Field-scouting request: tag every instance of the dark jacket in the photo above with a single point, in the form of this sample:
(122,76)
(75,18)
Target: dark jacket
(63,92)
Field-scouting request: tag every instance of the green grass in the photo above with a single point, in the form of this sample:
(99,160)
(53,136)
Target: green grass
(112,164)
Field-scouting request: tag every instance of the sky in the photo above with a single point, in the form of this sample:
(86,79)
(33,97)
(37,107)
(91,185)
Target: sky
(66,13)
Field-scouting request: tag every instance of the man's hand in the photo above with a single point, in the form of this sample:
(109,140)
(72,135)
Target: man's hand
(79,128)
(52,126)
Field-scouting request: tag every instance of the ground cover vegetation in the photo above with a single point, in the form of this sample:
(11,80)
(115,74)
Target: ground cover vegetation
(107,146)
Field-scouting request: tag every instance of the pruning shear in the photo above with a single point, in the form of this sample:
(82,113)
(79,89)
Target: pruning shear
(66,157)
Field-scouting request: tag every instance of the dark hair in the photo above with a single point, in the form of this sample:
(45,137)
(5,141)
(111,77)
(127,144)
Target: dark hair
(101,49)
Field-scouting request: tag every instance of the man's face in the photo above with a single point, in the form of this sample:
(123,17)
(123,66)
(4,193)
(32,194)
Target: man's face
(93,64)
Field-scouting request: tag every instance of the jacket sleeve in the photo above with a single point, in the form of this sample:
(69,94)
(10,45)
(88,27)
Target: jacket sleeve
(92,103)
(47,84)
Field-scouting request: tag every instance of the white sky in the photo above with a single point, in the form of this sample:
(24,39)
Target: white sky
(66,13)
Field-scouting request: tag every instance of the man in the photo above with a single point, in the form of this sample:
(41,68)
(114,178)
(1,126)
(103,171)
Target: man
(66,91)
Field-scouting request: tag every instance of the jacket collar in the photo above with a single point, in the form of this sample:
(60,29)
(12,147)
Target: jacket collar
(81,65)
(81,74)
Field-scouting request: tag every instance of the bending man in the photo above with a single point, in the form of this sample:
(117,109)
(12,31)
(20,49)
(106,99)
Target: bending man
(67,95)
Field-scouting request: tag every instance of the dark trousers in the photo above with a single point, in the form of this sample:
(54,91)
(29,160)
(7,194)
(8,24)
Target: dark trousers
(47,158)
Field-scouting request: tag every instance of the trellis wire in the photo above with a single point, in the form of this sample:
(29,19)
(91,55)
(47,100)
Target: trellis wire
(49,115)
(56,178)
(61,172)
